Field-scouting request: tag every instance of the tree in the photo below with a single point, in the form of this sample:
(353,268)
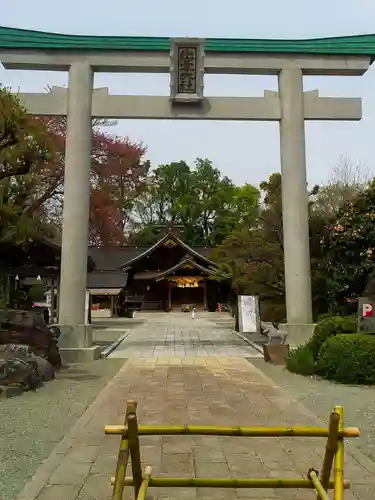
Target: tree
(350,249)
(118,174)
(27,170)
(252,258)
(200,199)
(32,151)
(346,179)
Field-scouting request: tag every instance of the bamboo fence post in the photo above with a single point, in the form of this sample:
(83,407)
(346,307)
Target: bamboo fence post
(144,486)
(135,451)
(321,491)
(331,446)
(122,459)
(338,475)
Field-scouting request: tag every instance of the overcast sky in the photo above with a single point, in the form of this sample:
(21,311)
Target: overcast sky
(246,152)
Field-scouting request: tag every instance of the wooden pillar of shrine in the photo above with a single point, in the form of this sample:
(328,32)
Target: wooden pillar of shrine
(205,294)
(169,295)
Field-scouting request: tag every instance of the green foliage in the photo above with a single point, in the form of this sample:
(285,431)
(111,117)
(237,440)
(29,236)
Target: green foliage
(330,327)
(203,202)
(301,360)
(252,257)
(326,315)
(349,359)
(350,249)
(25,149)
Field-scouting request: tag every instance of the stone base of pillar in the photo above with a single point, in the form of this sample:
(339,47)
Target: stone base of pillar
(80,354)
(76,344)
(299,333)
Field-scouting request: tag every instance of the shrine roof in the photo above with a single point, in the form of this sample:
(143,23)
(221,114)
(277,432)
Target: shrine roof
(186,262)
(106,279)
(169,239)
(19,39)
(114,258)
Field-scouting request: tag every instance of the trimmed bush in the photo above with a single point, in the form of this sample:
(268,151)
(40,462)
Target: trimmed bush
(301,360)
(323,316)
(330,327)
(349,359)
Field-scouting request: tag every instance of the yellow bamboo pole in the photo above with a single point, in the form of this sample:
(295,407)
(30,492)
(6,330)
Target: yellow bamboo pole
(331,446)
(177,430)
(321,492)
(144,486)
(212,482)
(338,474)
(135,452)
(122,459)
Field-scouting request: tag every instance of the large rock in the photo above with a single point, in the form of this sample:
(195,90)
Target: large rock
(45,369)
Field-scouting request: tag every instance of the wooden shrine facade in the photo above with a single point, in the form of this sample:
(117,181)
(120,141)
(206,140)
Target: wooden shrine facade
(163,277)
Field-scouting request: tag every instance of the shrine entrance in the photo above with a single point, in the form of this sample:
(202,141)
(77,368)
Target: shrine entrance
(187,60)
(187,290)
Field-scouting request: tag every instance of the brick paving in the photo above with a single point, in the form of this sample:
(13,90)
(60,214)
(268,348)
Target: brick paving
(217,390)
(177,334)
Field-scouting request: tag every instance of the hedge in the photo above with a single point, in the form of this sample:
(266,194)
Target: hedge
(301,360)
(349,359)
(329,327)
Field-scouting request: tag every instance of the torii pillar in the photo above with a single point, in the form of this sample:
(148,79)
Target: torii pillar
(295,201)
(77,336)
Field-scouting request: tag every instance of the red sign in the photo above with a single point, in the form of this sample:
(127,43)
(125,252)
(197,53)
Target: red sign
(367,310)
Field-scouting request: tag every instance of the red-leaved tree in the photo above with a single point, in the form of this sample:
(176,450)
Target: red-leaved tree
(118,174)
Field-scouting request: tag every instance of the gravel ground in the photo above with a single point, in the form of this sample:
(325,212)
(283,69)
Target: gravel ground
(32,424)
(320,396)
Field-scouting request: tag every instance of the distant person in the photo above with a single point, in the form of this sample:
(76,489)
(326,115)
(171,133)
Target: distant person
(193,313)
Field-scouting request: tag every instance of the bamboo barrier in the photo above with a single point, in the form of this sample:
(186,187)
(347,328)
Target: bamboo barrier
(135,453)
(320,489)
(218,482)
(212,430)
(144,485)
(331,447)
(122,459)
(334,456)
(338,473)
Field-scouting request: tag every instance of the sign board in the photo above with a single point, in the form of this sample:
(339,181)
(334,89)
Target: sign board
(87,307)
(248,314)
(366,315)
(48,298)
(187,70)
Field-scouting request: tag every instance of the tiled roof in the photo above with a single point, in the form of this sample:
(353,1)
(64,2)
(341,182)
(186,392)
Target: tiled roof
(112,279)
(112,258)
(20,39)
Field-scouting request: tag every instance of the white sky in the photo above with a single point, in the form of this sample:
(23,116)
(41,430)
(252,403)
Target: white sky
(246,152)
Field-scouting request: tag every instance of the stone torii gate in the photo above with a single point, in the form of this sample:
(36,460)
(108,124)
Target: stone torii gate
(187,60)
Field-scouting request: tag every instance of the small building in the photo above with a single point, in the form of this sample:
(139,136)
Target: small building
(165,276)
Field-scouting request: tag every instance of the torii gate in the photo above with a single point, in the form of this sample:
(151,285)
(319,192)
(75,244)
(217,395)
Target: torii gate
(186,60)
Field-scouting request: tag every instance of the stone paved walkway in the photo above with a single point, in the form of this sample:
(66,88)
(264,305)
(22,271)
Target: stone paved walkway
(223,391)
(177,334)
(217,390)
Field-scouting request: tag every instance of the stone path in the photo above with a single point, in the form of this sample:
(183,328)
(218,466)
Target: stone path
(177,334)
(217,390)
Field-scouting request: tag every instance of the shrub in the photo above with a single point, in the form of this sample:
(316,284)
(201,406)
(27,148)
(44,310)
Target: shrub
(349,359)
(301,360)
(323,316)
(329,327)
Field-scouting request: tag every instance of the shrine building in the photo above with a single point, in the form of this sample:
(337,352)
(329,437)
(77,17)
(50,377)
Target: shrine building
(163,277)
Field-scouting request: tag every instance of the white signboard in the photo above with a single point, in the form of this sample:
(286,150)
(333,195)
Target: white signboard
(248,314)
(87,307)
